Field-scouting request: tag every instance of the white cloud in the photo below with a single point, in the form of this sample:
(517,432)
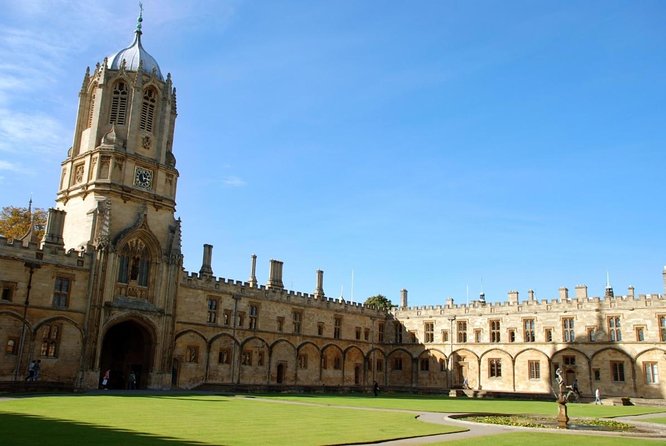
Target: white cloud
(233,181)
(7,165)
(23,132)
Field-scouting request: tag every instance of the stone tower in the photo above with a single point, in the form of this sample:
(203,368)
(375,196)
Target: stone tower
(122,150)
(118,189)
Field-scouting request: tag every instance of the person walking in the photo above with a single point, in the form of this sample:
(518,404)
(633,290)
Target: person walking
(37,369)
(105,379)
(375,388)
(31,371)
(597,396)
(132,380)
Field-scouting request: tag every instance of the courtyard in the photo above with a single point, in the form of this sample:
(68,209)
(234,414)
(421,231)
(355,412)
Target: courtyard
(158,418)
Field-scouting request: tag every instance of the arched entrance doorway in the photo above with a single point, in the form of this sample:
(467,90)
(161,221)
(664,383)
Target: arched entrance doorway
(280,372)
(127,346)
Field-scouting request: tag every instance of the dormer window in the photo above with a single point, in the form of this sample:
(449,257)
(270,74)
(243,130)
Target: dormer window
(118,113)
(148,109)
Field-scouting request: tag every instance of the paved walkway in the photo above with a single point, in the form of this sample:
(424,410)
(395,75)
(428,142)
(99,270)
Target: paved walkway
(479,429)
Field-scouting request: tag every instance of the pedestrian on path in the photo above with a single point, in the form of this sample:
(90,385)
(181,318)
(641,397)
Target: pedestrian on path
(31,371)
(105,379)
(38,368)
(597,396)
(132,380)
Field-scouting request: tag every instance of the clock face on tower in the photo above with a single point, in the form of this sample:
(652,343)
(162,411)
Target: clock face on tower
(143,178)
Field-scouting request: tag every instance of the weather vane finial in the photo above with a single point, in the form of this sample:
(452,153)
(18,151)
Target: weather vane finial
(140,19)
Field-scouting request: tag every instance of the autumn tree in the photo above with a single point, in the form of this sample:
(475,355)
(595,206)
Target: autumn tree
(15,222)
(380,302)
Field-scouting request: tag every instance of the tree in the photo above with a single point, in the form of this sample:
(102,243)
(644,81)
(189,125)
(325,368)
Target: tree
(15,222)
(380,302)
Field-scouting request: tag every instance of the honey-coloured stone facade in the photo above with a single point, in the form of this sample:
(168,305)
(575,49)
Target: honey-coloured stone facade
(105,290)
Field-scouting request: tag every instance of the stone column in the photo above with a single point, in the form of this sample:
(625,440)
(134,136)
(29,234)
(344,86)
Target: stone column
(513,297)
(54,225)
(581,291)
(319,288)
(253,272)
(530,295)
(275,275)
(206,269)
(403,298)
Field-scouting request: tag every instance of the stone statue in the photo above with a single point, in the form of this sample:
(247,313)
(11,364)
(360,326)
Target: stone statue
(562,397)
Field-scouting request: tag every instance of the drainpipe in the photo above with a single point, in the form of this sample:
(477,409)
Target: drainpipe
(33,267)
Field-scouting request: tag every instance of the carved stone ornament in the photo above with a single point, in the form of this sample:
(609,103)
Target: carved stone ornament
(145,142)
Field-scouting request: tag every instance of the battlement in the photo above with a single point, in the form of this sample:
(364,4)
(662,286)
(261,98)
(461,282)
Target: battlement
(581,302)
(16,250)
(242,289)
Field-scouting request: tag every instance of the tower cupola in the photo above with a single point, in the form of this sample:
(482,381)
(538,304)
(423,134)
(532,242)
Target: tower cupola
(135,57)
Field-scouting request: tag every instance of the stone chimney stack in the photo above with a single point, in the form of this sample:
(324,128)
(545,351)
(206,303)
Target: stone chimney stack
(631,291)
(449,302)
(319,287)
(206,270)
(513,297)
(530,295)
(275,275)
(581,291)
(403,298)
(564,294)
(664,276)
(253,272)
(54,226)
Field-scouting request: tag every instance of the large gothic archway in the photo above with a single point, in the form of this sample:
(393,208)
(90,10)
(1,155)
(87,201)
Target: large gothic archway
(127,346)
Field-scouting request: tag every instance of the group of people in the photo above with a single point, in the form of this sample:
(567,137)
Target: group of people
(34,370)
(131,380)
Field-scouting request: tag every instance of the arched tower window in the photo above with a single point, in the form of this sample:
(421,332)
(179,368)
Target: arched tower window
(91,106)
(148,109)
(134,263)
(118,113)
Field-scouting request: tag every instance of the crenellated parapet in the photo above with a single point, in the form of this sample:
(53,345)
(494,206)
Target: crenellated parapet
(14,250)
(219,285)
(581,302)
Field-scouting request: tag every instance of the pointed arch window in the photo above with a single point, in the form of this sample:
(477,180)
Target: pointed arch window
(91,106)
(118,113)
(134,264)
(148,109)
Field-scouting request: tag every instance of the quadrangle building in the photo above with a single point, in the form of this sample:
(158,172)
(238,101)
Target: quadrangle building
(105,290)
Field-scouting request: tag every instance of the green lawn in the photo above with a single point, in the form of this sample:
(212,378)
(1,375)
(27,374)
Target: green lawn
(542,439)
(189,419)
(430,403)
(194,419)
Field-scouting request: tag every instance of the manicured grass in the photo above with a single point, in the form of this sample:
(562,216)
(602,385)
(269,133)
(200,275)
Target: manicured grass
(660,420)
(543,439)
(189,419)
(431,403)
(194,419)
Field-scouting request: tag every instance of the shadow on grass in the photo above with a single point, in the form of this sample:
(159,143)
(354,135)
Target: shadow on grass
(20,430)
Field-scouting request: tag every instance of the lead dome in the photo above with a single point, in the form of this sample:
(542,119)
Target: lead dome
(135,57)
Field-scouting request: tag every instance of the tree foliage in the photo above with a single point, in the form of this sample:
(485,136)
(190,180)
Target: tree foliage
(380,302)
(15,222)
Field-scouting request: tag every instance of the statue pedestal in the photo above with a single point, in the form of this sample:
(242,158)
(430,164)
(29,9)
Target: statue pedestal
(562,417)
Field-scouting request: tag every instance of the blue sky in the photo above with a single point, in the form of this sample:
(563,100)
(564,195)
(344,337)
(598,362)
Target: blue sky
(437,146)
